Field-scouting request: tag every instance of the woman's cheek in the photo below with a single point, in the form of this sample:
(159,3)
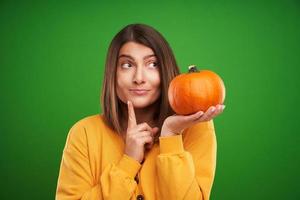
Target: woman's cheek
(154,78)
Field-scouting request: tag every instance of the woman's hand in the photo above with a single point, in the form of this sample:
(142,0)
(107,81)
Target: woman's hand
(137,136)
(175,124)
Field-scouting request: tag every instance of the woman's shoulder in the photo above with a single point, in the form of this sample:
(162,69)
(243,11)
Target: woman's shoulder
(89,126)
(207,125)
(199,130)
(91,122)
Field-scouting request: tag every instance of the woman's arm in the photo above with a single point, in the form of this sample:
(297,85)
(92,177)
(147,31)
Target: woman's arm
(76,180)
(187,171)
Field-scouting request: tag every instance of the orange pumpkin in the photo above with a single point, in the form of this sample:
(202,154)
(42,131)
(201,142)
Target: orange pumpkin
(196,90)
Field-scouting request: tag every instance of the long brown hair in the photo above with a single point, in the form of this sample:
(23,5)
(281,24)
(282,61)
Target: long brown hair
(148,36)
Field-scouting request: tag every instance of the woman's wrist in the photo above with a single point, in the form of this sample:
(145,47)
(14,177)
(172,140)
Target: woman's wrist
(167,133)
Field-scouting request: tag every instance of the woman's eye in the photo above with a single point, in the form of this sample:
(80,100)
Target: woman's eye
(126,65)
(153,64)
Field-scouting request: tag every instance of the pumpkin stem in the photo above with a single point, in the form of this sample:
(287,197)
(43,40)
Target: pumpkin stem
(193,68)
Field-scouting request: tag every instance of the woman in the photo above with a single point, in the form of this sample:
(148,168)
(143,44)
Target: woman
(138,148)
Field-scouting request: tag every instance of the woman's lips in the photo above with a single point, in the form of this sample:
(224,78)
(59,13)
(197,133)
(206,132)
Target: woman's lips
(139,91)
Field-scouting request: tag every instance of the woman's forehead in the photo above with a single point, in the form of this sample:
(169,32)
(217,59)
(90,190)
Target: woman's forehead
(135,50)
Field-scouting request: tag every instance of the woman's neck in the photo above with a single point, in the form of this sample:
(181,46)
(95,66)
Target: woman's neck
(142,115)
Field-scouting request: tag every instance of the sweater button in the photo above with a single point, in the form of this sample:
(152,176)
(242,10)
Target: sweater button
(140,197)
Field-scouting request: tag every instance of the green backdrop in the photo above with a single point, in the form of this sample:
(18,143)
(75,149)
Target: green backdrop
(52,58)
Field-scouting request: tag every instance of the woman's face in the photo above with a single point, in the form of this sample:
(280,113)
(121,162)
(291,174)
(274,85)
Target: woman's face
(137,75)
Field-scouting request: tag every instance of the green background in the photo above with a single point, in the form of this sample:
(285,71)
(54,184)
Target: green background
(52,59)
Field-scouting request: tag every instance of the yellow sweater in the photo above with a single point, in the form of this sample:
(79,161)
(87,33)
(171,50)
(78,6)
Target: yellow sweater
(94,165)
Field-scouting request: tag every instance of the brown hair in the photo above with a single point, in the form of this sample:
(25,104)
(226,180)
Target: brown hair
(148,36)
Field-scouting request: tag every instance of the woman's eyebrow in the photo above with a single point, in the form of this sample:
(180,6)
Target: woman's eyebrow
(130,57)
(149,56)
(126,56)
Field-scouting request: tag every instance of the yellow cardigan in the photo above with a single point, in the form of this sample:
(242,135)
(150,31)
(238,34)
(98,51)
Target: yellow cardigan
(94,165)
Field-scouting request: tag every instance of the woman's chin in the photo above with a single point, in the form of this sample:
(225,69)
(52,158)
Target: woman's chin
(141,103)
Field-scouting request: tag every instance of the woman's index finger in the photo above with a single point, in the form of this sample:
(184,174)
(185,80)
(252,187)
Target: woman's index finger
(131,115)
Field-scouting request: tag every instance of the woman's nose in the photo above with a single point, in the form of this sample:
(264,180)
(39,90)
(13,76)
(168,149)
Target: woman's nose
(139,75)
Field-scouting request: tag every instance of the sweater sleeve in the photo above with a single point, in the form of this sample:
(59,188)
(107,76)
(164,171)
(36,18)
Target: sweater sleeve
(76,180)
(187,171)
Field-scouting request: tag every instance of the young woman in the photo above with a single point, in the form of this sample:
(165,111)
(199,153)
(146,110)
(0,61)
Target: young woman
(138,148)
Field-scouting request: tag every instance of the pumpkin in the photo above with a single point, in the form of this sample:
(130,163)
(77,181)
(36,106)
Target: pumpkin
(196,90)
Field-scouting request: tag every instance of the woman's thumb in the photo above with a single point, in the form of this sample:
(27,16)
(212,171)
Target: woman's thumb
(155,130)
